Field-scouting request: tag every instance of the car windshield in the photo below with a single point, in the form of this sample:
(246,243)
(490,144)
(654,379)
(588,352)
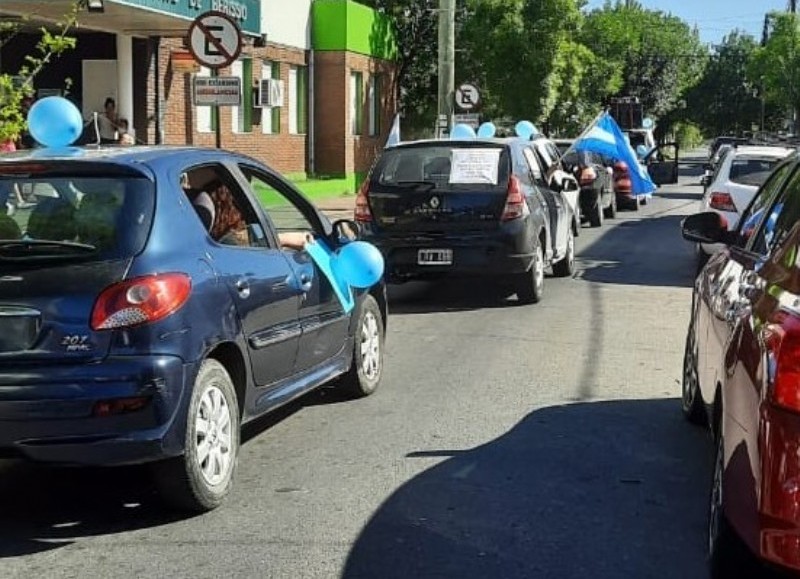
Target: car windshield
(445,167)
(81,218)
(750,171)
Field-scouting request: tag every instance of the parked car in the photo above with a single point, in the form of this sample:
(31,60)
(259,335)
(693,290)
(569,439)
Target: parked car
(741,377)
(148,309)
(739,175)
(469,207)
(594,174)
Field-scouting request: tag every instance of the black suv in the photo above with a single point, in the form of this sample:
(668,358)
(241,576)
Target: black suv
(474,207)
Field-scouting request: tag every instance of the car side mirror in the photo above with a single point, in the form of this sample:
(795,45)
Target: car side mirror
(706,227)
(345,230)
(568,185)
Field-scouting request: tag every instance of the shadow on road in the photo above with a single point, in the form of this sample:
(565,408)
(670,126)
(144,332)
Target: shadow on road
(648,252)
(450,295)
(601,490)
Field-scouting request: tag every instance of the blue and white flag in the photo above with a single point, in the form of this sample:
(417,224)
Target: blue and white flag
(606,138)
(394,133)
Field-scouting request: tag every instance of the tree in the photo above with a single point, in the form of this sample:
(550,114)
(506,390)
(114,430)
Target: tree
(777,63)
(14,88)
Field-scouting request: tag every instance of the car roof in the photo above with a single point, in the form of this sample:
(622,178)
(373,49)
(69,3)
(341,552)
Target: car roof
(762,151)
(470,141)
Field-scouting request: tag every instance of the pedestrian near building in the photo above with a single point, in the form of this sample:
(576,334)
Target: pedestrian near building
(107,122)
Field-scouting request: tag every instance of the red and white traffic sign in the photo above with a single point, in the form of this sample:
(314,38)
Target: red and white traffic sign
(215,39)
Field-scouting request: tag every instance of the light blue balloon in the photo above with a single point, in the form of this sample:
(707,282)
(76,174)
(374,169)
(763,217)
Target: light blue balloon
(359,264)
(525,129)
(55,122)
(462,131)
(648,123)
(641,150)
(487,130)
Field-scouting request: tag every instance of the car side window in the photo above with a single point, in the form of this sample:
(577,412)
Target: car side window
(285,213)
(536,170)
(754,214)
(779,217)
(222,207)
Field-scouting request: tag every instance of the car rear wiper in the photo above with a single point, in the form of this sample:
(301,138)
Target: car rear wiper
(420,184)
(13,248)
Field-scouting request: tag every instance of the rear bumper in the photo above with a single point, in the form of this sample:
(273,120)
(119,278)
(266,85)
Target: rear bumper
(508,250)
(48,413)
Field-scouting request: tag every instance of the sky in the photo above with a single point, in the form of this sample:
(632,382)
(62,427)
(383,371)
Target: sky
(715,18)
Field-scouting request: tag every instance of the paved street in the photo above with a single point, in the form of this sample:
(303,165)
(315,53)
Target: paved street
(540,441)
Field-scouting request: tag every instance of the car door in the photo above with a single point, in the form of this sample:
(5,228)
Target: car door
(323,322)
(262,284)
(556,206)
(662,164)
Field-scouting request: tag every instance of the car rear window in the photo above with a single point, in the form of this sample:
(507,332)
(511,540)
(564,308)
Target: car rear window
(751,171)
(443,167)
(91,217)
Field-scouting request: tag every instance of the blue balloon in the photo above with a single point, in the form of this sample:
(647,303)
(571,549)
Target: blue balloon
(55,122)
(641,150)
(525,129)
(462,131)
(359,264)
(487,130)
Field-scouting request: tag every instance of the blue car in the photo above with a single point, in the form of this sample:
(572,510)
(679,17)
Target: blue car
(150,304)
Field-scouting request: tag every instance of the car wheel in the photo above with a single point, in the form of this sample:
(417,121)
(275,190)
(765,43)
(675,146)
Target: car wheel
(367,368)
(728,556)
(596,214)
(200,480)
(530,285)
(611,210)
(566,267)
(691,401)
(644,201)
(635,203)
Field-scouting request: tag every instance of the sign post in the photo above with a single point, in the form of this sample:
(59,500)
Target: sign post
(215,41)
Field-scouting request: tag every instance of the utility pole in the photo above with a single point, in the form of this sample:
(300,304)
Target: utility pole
(792,7)
(447,75)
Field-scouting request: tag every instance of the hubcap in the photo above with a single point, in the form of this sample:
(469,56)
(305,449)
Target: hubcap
(370,347)
(715,511)
(213,436)
(538,268)
(689,375)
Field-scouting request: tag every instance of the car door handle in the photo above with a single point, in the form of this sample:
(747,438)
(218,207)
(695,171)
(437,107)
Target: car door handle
(243,288)
(305,281)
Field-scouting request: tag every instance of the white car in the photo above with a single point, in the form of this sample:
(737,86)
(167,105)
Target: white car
(735,182)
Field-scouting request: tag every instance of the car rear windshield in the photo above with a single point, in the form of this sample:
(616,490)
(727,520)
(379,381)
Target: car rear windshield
(752,171)
(81,218)
(461,167)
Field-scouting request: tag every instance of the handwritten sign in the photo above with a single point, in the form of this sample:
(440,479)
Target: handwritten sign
(475,166)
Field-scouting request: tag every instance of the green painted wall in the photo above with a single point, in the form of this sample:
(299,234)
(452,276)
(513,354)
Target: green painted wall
(346,25)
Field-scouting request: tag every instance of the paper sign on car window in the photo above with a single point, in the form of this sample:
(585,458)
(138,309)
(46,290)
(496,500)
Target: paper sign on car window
(475,166)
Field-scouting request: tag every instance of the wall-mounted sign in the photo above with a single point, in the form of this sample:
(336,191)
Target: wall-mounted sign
(217,91)
(246,13)
(183,61)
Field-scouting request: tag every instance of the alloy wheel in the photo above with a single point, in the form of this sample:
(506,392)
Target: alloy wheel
(370,347)
(213,436)
(715,503)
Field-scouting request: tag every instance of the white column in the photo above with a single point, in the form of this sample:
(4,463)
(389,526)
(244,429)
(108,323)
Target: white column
(125,78)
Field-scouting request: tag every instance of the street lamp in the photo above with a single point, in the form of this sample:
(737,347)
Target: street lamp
(95,6)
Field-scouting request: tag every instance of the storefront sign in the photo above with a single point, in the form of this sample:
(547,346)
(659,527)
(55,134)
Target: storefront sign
(217,90)
(246,13)
(183,61)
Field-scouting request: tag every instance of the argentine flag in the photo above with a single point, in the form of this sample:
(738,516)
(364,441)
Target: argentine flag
(606,138)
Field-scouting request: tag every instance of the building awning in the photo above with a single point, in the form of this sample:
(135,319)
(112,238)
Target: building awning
(143,18)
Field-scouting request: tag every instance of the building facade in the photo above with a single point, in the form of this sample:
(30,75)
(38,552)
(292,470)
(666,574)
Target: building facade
(317,76)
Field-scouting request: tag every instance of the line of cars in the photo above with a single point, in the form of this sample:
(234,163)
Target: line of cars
(741,370)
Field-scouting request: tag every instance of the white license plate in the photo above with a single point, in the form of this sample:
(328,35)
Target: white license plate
(435,257)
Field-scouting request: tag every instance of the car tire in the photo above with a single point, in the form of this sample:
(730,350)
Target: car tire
(530,284)
(644,201)
(635,203)
(728,556)
(566,267)
(596,214)
(200,479)
(691,400)
(611,210)
(366,369)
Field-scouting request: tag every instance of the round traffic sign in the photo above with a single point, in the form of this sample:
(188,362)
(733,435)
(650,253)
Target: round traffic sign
(215,39)
(468,97)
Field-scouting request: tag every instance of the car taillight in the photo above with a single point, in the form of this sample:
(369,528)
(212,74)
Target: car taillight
(782,340)
(587,176)
(141,300)
(362,211)
(515,201)
(722,202)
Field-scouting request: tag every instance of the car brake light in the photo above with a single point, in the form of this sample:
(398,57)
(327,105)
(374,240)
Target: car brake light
(782,340)
(515,201)
(141,300)
(362,211)
(722,202)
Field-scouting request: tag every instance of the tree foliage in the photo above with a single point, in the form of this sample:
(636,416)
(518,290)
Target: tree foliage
(14,88)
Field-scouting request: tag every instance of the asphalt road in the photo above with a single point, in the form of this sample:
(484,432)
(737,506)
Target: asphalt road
(506,441)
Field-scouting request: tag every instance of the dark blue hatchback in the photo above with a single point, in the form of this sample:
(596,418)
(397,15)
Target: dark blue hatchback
(149,306)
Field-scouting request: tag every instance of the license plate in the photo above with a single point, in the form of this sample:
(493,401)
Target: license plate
(435,257)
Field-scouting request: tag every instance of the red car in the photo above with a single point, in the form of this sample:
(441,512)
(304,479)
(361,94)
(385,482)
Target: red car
(741,377)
